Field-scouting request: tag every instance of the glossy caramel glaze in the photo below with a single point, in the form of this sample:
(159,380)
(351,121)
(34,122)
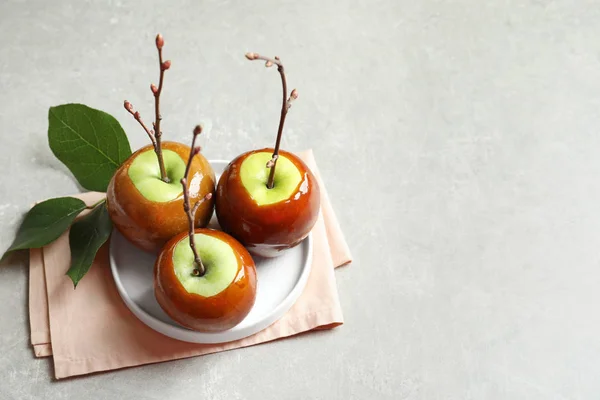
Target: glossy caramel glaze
(269,229)
(148,224)
(206,314)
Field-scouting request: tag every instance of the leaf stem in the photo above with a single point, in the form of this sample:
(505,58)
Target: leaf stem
(95,204)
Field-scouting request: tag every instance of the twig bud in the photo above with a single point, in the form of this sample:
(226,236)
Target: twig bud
(166,65)
(251,56)
(153,88)
(197,130)
(137,115)
(160,42)
(271,162)
(268,64)
(197,150)
(293,96)
(128,106)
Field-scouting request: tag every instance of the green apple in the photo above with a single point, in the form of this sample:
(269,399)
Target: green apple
(144,173)
(218,259)
(254,175)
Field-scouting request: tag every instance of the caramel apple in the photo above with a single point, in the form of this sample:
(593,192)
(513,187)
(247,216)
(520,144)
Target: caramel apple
(204,279)
(268,199)
(215,301)
(144,197)
(149,211)
(265,220)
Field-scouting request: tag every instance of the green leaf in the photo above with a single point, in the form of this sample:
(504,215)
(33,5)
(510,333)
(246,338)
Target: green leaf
(46,221)
(87,235)
(90,142)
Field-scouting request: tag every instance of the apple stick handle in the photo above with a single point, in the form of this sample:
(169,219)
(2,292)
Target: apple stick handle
(155,134)
(136,114)
(163,66)
(190,211)
(285,106)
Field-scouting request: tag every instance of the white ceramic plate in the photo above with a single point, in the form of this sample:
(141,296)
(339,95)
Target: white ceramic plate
(281,280)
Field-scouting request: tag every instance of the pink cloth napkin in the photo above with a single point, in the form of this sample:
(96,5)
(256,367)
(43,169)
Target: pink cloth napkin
(90,329)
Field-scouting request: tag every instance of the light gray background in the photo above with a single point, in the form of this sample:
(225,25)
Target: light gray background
(460,145)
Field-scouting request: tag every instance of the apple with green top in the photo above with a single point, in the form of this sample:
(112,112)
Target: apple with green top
(204,279)
(144,197)
(268,199)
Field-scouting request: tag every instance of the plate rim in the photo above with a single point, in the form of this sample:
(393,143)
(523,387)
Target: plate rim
(184,334)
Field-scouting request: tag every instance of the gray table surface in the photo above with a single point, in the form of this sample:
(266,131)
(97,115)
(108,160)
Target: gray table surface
(459,143)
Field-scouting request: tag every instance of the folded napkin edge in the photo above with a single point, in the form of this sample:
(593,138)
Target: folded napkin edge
(324,319)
